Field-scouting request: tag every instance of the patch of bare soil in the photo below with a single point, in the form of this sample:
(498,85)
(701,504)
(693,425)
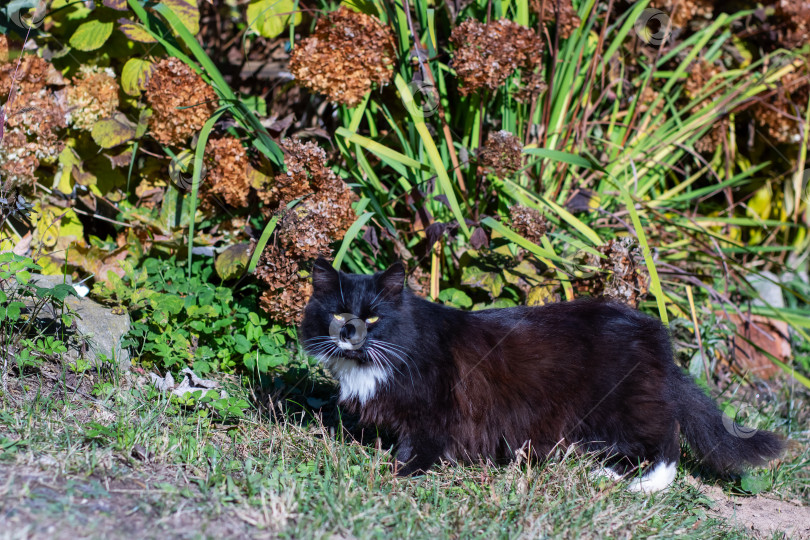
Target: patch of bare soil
(38,504)
(761,516)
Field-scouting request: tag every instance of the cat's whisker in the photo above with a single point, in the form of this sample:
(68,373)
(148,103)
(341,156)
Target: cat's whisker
(321,349)
(317,339)
(384,352)
(385,360)
(398,352)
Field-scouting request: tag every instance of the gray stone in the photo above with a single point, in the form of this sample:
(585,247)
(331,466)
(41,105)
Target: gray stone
(101,329)
(98,330)
(770,293)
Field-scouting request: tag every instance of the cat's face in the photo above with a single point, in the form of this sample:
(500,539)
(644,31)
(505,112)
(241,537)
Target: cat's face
(353,317)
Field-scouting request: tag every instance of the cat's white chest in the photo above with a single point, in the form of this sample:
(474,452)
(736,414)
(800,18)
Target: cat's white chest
(356,380)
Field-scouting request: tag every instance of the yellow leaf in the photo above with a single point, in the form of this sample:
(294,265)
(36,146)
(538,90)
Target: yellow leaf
(271,17)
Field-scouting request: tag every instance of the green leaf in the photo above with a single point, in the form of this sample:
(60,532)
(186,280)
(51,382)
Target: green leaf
(135,74)
(113,131)
(188,13)
(118,5)
(13,310)
(352,233)
(271,17)
(233,261)
(754,483)
(492,282)
(242,345)
(456,298)
(168,302)
(91,35)
(564,157)
(135,31)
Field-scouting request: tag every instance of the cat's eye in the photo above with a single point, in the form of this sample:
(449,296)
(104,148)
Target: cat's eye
(372,320)
(338,317)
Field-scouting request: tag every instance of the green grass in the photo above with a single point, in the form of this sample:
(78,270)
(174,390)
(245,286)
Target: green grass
(71,460)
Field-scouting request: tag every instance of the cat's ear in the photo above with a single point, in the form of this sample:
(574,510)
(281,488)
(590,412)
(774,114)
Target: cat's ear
(324,277)
(392,280)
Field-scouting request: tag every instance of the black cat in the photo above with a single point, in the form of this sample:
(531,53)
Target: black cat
(471,385)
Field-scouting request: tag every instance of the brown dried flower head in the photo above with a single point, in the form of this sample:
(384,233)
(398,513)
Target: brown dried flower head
(288,291)
(683,11)
(306,164)
(623,276)
(714,137)
(325,213)
(794,23)
(92,97)
(3,49)
(780,114)
(566,19)
(322,216)
(700,75)
(528,223)
(34,74)
(181,101)
(227,177)
(501,154)
(487,53)
(32,120)
(348,52)
(649,96)
(532,86)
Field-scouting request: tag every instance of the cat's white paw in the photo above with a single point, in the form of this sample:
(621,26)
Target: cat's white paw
(658,478)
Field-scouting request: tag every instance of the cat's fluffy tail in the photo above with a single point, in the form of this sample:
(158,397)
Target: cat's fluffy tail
(717,440)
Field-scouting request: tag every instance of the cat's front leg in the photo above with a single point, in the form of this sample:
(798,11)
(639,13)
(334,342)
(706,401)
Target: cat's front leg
(418,453)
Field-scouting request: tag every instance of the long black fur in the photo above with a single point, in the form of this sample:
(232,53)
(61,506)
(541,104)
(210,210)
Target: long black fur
(480,385)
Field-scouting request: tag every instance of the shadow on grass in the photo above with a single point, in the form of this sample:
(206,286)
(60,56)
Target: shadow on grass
(307,395)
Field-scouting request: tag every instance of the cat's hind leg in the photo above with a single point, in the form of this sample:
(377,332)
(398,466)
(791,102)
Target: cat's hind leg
(658,475)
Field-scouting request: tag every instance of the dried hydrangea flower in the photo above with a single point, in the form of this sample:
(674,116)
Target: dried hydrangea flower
(623,276)
(532,85)
(181,101)
(347,53)
(18,160)
(316,222)
(528,223)
(687,10)
(794,16)
(305,164)
(227,177)
(501,154)
(713,138)
(3,48)
(780,113)
(649,96)
(487,53)
(32,120)
(325,213)
(93,96)
(699,83)
(700,74)
(33,74)
(323,216)
(566,19)
(288,291)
